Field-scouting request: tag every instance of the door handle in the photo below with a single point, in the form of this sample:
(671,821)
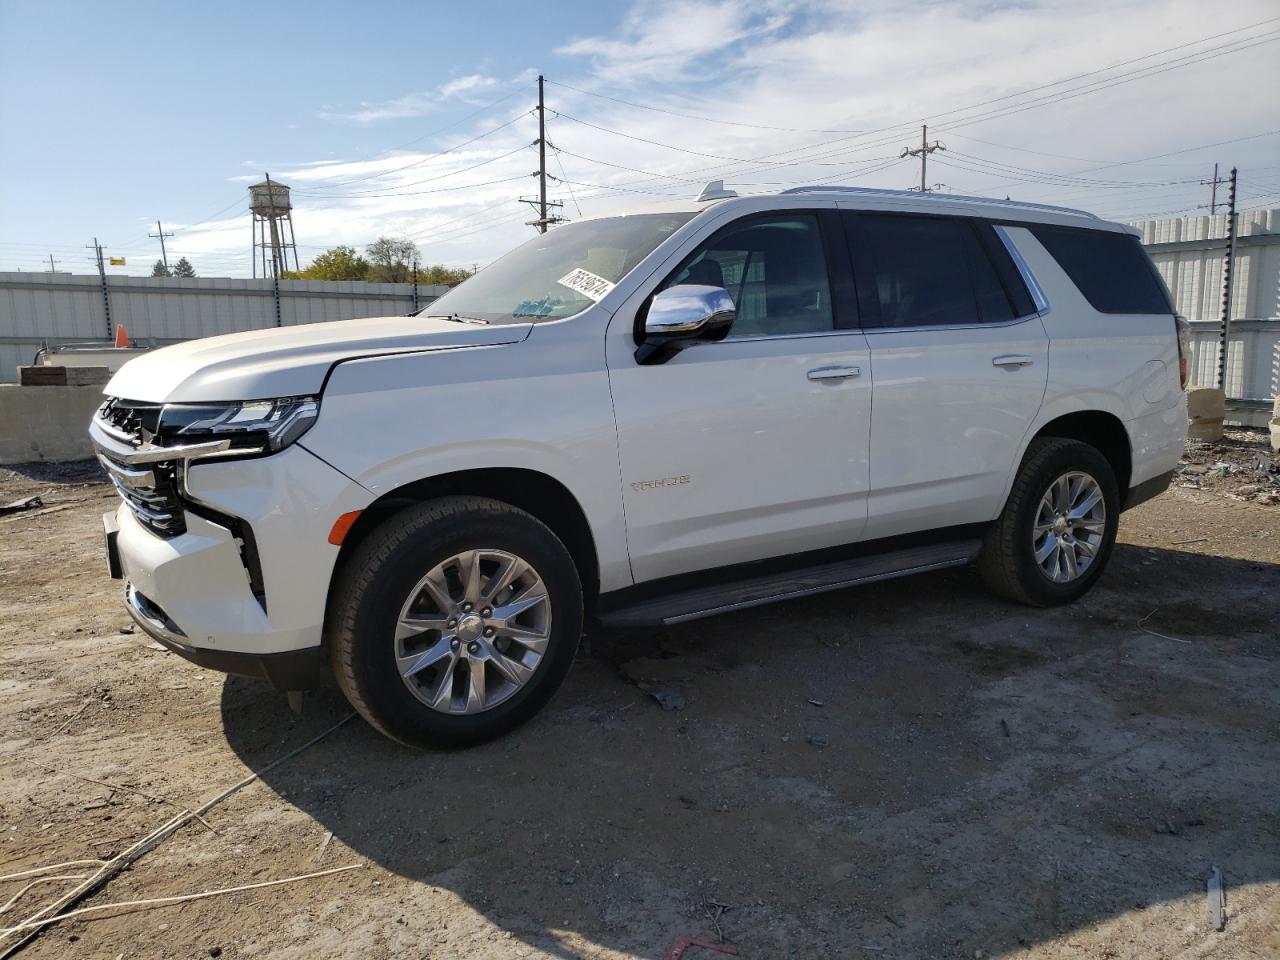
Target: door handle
(1011,360)
(834,373)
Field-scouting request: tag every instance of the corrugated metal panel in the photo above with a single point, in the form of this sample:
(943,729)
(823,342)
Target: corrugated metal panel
(67,307)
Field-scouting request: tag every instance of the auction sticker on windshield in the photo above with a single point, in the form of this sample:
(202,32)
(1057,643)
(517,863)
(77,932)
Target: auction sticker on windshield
(586,283)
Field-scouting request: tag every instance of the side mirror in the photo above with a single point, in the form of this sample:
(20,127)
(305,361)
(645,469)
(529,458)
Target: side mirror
(679,317)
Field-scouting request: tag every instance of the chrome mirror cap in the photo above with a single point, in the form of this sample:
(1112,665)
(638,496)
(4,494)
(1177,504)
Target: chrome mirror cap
(680,316)
(689,309)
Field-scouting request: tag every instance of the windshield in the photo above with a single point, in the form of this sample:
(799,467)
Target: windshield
(560,273)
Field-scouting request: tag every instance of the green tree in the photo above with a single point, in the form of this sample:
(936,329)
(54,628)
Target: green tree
(183,268)
(439,273)
(339,263)
(391,259)
(160,270)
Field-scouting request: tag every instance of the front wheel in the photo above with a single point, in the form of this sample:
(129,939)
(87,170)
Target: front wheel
(454,621)
(1057,529)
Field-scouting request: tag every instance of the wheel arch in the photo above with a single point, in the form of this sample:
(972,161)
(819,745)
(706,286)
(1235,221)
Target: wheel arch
(538,494)
(1101,430)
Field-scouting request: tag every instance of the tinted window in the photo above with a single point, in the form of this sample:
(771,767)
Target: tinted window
(1011,279)
(775,270)
(1110,269)
(927,271)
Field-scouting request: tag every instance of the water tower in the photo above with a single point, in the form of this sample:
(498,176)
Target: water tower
(272,228)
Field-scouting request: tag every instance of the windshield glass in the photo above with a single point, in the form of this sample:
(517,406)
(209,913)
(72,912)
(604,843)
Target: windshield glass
(560,273)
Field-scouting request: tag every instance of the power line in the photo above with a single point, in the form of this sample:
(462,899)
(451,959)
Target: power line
(412,193)
(693,116)
(413,183)
(431,156)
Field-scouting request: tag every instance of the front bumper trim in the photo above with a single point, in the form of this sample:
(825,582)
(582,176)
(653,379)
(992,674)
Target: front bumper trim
(288,670)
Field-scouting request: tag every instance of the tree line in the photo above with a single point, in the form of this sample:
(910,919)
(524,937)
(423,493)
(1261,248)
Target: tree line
(386,260)
(182,268)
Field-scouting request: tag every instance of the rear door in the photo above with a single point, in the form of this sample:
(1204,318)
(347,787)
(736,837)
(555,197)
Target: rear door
(959,358)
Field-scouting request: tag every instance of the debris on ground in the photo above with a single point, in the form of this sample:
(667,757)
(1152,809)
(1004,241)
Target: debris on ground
(1217,900)
(683,943)
(669,698)
(1240,466)
(26,503)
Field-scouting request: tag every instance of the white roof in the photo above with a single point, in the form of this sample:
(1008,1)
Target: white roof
(904,201)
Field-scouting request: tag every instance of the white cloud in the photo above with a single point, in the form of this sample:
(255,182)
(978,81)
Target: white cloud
(815,66)
(667,40)
(415,104)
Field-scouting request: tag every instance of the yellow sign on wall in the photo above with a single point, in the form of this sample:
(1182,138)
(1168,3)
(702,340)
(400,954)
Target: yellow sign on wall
(117,261)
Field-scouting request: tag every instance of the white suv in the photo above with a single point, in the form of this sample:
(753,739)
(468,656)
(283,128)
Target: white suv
(644,418)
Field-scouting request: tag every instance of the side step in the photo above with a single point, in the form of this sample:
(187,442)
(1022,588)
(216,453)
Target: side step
(756,591)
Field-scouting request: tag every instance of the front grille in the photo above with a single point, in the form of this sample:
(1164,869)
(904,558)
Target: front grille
(151,491)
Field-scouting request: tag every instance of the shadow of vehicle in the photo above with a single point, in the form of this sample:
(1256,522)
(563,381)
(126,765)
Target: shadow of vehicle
(911,768)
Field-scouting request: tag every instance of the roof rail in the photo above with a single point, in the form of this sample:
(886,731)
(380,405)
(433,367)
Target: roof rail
(950,197)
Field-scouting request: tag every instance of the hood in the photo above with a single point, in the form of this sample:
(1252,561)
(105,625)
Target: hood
(288,361)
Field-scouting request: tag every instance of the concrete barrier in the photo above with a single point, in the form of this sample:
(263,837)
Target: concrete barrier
(1206,403)
(46,423)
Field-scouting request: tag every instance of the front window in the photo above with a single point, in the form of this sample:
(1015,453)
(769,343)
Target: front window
(558,274)
(775,270)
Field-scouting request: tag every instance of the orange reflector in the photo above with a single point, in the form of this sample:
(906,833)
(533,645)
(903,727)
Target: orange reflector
(342,526)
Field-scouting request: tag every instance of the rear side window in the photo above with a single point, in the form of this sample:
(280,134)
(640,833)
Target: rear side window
(1111,269)
(925,272)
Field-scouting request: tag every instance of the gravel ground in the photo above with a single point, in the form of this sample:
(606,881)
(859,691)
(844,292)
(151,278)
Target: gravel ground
(910,769)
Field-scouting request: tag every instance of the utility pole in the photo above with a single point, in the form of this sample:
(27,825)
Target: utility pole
(415,284)
(52,268)
(1227,265)
(542,157)
(541,203)
(102,273)
(160,235)
(923,152)
(1213,192)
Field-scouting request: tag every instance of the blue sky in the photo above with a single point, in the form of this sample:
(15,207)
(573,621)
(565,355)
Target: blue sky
(115,115)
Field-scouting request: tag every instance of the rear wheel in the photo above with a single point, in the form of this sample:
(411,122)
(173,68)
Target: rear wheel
(1054,537)
(455,621)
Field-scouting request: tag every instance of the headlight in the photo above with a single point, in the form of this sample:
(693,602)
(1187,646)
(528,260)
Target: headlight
(252,426)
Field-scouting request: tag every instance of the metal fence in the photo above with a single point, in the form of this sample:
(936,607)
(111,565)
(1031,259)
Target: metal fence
(64,308)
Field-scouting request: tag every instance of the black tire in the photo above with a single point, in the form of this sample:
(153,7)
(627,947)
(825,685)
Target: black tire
(1007,562)
(377,580)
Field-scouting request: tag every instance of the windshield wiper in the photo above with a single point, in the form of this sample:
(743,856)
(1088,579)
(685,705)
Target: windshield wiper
(457,318)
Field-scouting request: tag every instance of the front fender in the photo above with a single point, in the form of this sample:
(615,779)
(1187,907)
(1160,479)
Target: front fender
(390,421)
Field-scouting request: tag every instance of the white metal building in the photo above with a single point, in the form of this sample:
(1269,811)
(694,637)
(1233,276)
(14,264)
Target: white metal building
(1188,251)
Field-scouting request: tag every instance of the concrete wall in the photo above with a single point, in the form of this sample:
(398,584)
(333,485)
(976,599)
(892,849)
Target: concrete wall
(46,423)
(63,307)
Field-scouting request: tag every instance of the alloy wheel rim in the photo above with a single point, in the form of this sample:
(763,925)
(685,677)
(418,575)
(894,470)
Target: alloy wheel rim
(473,631)
(1069,526)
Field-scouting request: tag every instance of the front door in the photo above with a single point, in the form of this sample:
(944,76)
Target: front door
(755,446)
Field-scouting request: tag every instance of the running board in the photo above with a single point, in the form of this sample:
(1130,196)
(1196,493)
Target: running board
(754,592)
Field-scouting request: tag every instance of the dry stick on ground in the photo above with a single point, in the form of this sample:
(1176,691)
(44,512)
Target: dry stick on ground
(143,846)
(115,786)
(1162,636)
(70,720)
(35,883)
(170,901)
(49,868)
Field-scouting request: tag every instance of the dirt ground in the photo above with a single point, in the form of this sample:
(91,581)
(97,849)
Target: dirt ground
(911,769)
